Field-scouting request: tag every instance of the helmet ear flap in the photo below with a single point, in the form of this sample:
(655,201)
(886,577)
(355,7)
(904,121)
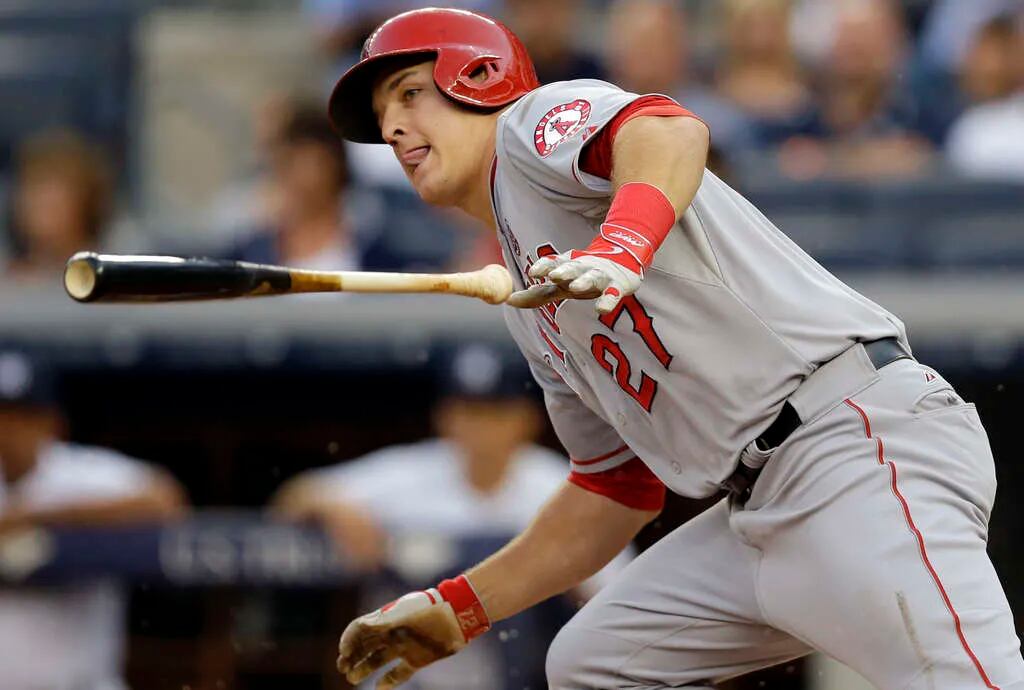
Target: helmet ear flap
(487,66)
(479,80)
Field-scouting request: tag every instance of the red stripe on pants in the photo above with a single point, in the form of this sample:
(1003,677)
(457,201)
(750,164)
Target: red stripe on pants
(920,544)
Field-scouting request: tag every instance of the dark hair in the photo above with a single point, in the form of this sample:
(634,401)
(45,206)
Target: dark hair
(309,124)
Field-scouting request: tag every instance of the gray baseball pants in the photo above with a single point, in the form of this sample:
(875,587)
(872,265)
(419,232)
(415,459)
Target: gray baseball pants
(864,538)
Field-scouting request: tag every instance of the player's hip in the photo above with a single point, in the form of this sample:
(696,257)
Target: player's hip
(910,423)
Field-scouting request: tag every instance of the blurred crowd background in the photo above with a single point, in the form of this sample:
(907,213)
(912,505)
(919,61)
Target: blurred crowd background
(200,496)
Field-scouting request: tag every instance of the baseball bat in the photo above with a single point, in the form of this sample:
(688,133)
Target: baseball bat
(91,277)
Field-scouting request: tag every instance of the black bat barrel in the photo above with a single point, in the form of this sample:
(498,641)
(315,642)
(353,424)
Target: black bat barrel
(91,277)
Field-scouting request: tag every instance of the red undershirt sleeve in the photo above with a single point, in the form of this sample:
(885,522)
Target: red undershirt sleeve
(596,157)
(632,484)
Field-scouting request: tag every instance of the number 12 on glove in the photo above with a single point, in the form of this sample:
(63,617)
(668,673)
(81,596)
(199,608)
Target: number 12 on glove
(417,629)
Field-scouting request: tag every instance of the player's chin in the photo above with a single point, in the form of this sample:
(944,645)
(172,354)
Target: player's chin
(433,189)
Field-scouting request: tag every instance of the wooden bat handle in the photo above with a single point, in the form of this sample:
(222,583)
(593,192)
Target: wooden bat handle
(91,277)
(492,283)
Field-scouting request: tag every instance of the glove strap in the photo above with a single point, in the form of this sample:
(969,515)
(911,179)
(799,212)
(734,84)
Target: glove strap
(469,611)
(638,221)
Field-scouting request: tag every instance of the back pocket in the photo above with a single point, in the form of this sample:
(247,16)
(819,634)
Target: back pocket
(938,396)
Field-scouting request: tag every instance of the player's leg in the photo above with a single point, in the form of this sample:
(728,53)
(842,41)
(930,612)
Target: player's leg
(681,615)
(873,526)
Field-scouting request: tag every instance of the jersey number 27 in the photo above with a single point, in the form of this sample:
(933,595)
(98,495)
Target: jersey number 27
(610,356)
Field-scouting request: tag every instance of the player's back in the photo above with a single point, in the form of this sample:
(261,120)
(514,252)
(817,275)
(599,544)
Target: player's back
(730,317)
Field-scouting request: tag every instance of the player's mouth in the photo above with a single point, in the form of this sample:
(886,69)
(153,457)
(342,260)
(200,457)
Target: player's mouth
(413,157)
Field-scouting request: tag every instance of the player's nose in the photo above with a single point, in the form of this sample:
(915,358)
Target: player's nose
(391,126)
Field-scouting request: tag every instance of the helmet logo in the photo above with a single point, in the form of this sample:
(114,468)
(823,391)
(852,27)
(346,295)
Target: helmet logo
(559,124)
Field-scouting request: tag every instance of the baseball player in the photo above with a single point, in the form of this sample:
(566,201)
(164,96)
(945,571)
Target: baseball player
(683,341)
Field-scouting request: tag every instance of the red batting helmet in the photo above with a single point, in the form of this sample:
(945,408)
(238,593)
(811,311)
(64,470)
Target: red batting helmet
(462,43)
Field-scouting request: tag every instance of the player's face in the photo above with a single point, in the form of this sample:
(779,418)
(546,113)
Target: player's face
(486,429)
(442,147)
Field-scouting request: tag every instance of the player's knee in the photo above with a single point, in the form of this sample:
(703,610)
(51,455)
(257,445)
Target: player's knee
(580,659)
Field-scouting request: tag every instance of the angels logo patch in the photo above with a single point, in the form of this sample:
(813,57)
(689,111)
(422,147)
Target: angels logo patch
(558,124)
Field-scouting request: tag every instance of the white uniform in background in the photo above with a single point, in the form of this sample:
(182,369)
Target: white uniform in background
(421,487)
(67,637)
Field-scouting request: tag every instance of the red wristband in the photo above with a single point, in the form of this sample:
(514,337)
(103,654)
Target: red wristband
(469,611)
(638,221)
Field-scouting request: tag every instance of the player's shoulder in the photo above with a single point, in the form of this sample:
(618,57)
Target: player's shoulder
(399,461)
(67,456)
(556,90)
(89,467)
(549,99)
(402,453)
(544,130)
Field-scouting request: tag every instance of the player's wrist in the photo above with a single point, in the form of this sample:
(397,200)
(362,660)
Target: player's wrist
(638,220)
(601,248)
(469,611)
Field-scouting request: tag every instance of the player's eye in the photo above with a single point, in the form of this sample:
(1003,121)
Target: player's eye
(408,94)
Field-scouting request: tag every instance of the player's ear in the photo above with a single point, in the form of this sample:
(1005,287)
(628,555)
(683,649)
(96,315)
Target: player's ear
(479,75)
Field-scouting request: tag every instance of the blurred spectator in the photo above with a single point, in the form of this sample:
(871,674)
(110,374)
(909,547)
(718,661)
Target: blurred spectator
(866,119)
(988,139)
(551,32)
(483,476)
(993,68)
(61,202)
(647,46)
(648,51)
(67,637)
(247,203)
(951,26)
(986,69)
(758,72)
(306,225)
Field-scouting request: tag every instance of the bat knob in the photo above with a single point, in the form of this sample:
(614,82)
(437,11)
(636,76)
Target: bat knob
(497,284)
(81,276)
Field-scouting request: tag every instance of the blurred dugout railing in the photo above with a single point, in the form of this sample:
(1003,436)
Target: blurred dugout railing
(937,225)
(244,600)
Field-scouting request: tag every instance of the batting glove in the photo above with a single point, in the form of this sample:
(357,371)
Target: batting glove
(603,270)
(417,629)
(612,267)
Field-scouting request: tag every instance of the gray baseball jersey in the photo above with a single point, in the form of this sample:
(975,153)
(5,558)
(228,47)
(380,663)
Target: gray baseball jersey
(864,536)
(728,321)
